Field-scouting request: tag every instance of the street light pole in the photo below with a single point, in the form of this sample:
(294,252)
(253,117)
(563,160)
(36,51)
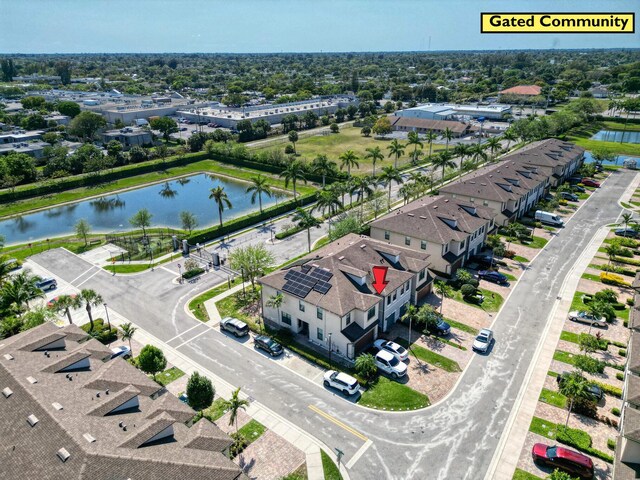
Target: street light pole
(329,335)
(107,314)
(180,272)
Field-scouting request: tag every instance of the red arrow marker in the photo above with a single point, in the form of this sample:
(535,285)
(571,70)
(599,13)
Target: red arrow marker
(379,275)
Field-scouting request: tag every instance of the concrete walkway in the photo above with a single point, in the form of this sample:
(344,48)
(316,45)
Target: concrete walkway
(511,443)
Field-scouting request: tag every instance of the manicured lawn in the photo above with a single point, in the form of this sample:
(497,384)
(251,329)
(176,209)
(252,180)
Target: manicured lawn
(510,277)
(553,398)
(230,307)
(329,468)
(524,475)
(520,259)
(564,357)
(543,427)
(217,409)
(577,303)
(197,304)
(387,394)
(430,357)
(537,242)
(589,276)
(128,267)
(570,337)
(22,251)
(168,376)
(462,326)
(252,430)
(491,303)
(349,138)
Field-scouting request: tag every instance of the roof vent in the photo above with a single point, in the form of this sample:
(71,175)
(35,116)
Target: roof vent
(57,406)
(63,454)
(32,419)
(362,246)
(32,380)
(8,356)
(410,215)
(89,438)
(7,392)
(423,217)
(341,257)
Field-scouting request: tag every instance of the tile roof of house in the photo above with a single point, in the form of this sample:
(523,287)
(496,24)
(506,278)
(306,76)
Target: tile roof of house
(523,90)
(631,424)
(501,182)
(207,436)
(547,153)
(354,255)
(440,125)
(633,363)
(71,415)
(436,219)
(632,395)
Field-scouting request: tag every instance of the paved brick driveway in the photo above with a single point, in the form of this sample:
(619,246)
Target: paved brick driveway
(270,457)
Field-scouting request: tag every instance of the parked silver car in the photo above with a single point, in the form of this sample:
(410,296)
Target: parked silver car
(585,317)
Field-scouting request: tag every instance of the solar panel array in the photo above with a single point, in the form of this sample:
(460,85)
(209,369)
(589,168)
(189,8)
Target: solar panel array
(301,283)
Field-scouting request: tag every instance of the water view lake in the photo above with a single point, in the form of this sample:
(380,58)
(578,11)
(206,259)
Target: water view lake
(111,212)
(617,136)
(588,158)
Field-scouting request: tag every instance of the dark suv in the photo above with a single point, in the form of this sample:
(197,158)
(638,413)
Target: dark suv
(593,389)
(269,345)
(441,328)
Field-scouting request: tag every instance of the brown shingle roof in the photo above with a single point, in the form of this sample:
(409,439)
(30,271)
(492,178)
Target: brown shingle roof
(631,424)
(112,401)
(633,363)
(632,394)
(170,404)
(523,90)
(430,218)
(204,435)
(547,153)
(354,255)
(118,375)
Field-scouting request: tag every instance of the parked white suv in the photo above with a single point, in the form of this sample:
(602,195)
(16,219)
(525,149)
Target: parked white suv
(341,381)
(393,348)
(389,364)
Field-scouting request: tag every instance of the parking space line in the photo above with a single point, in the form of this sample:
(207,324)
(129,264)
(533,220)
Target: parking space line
(82,274)
(359,454)
(187,330)
(192,338)
(338,423)
(88,278)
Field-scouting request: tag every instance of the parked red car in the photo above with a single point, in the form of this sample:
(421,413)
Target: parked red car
(564,459)
(589,182)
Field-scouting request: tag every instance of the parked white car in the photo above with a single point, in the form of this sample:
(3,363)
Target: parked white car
(341,381)
(483,340)
(390,365)
(121,351)
(584,317)
(393,348)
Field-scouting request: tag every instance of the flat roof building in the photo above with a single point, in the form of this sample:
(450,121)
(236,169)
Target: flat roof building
(421,125)
(444,111)
(129,136)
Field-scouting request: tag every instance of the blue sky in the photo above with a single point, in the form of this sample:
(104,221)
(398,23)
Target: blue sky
(76,26)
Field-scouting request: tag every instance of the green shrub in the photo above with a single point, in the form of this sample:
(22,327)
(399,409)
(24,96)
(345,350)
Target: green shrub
(467,290)
(101,331)
(630,302)
(618,344)
(618,306)
(615,411)
(610,389)
(626,253)
(611,443)
(620,376)
(628,261)
(192,273)
(622,352)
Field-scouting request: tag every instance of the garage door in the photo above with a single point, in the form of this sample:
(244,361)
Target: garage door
(365,341)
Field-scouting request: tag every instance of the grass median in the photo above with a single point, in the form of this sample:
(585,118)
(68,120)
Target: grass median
(387,394)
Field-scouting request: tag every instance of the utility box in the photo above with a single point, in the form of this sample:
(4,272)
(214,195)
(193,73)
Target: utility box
(185,247)
(216,259)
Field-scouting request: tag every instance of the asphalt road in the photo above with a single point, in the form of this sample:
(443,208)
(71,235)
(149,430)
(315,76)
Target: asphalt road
(455,439)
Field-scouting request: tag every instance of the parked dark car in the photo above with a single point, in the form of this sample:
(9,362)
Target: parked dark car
(626,232)
(572,197)
(578,188)
(492,276)
(482,260)
(442,328)
(574,179)
(563,459)
(589,182)
(269,345)
(593,389)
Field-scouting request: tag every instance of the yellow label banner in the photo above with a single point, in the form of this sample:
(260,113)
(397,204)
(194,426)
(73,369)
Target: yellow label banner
(557,23)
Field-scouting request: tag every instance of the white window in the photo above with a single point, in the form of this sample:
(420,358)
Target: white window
(319,313)
(286,318)
(371,313)
(301,305)
(407,240)
(347,319)
(422,274)
(320,334)
(389,300)
(423,244)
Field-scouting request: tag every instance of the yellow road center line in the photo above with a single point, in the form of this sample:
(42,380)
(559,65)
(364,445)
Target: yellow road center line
(338,423)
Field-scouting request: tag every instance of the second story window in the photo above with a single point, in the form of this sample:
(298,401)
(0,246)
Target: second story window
(301,305)
(347,319)
(422,274)
(423,244)
(407,240)
(387,235)
(319,313)
(371,313)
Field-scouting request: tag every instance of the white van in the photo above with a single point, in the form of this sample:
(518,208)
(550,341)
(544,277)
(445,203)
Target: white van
(549,218)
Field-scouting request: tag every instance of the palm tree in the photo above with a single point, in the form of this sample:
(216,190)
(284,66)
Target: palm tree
(235,404)
(493,144)
(395,148)
(349,159)
(305,220)
(461,150)
(389,175)
(411,315)
(575,387)
(613,250)
(64,303)
(275,301)
(321,165)
(220,197)
(362,186)
(341,188)
(430,137)
(91,299)
(414,139)
(510,136)
(328,200)
(375,154)
(20,290)
(443,160)
(293,173)
(259,186)
(444,290)
(447,134)
(406,191)
(478,153)
(127,331)
(627,219)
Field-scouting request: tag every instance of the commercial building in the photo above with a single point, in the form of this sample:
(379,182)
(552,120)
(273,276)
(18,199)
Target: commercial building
(450,230)
(58,119)
(34,149)
(627,461)
(70,411)
(20,136)
(330,299)
(229,117)
(445,111)
(421,125)
(129,136)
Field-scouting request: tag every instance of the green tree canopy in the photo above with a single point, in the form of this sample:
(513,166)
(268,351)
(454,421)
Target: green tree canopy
(200,391)
(151,360)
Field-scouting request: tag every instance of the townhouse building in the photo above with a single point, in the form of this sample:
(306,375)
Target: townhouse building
(509,188)
(450,230)
(563,158)
(329,296)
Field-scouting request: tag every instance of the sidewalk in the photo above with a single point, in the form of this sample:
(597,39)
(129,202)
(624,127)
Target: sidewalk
(279,425)
(513,438)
